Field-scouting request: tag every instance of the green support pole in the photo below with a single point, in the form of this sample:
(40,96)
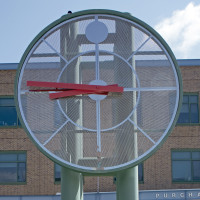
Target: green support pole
(71,185)
(127,184)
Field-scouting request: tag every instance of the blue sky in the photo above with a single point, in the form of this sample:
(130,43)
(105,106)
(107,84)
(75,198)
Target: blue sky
(178,21)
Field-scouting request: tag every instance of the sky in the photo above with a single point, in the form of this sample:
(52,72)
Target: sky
(177,21)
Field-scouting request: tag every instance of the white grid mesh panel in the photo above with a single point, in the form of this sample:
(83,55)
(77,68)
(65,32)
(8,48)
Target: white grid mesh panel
(118,130)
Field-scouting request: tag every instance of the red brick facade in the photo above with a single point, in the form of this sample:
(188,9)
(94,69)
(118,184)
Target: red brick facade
(40,170)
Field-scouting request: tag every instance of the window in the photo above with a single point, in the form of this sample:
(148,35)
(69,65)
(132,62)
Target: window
(190,109)
(8,116)
(12,167)
(57,172)
(186,166)
(140,172)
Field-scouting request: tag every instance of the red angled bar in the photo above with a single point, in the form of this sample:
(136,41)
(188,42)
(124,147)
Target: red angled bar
(94,88)
(73,93)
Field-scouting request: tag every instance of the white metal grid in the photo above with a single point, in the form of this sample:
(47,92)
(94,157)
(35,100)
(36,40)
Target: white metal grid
(98,134)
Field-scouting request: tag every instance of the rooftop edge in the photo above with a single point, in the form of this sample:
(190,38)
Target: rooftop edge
(181,62)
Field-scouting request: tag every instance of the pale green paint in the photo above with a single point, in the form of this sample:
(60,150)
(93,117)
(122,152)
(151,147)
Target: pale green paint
(127,184)
(71,185)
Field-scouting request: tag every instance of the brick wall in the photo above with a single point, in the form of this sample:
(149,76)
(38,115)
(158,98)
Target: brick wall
(157,169)
(7,82)
(40,170)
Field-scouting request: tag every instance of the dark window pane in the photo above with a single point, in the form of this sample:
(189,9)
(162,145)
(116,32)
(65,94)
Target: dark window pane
(194,114)
(8,116)
(196,170)
(8,157)
(184,167)
(181,171)
(181,155)
(8,172)
(7,102)
(193,99)
(57,172)
(196,155)
(189,110)
(12,167)
(140,172)
(21,172)
(19,123)
(22,157)
(184,116)
(185,99)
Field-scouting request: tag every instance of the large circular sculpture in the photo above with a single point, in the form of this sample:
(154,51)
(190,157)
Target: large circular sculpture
(98,91)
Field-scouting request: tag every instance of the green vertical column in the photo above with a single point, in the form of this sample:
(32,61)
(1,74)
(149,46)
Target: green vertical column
(71,185)
(127,184)
(127,180)
(71,182)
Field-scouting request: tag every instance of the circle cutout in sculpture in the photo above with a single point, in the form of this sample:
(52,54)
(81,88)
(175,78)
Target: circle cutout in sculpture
(98,91)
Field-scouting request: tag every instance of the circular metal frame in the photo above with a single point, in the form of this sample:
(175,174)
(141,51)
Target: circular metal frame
(156,37)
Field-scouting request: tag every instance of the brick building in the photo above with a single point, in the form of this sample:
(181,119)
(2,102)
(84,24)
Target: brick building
(24,170)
